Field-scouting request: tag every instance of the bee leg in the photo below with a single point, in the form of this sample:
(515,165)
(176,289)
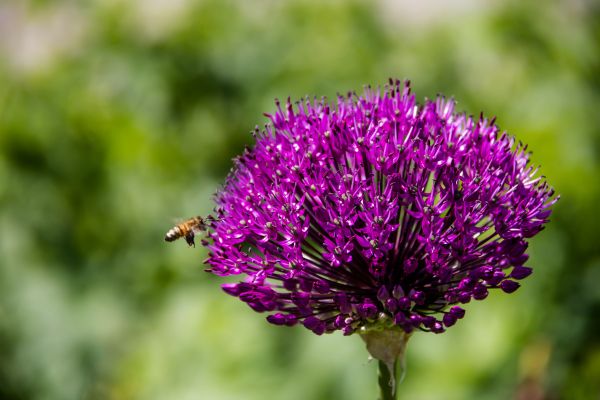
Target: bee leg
(189,238)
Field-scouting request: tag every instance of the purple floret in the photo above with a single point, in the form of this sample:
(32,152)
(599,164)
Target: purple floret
(376,208)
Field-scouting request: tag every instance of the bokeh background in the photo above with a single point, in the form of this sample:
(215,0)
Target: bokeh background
(118,117)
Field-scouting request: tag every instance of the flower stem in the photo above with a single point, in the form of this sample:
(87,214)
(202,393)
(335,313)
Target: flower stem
(390,378)
(388,347)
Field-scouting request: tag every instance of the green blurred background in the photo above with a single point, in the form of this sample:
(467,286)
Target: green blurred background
(117,117)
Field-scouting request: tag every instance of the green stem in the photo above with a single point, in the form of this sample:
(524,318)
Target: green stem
(388,347)
(390,379)
(386,385)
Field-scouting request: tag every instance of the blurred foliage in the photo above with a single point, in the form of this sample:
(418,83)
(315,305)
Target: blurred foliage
(118,116)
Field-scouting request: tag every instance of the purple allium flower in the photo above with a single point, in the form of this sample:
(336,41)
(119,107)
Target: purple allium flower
(376,210)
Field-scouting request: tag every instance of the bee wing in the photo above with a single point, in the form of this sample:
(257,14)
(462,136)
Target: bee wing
(179,220)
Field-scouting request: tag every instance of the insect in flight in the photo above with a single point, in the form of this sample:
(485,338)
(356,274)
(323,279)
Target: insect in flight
(188,229)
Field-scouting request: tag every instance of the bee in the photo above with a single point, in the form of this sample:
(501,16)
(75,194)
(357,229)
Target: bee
(188,229)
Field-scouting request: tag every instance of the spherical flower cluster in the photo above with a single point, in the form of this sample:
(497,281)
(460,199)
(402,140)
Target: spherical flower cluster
(376,210)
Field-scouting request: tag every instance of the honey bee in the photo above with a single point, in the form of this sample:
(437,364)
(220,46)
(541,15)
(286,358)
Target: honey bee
(188,229)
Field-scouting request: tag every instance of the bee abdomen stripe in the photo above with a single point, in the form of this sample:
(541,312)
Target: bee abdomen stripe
(172,234)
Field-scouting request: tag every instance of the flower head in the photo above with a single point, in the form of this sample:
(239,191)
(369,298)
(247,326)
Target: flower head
(376,210)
